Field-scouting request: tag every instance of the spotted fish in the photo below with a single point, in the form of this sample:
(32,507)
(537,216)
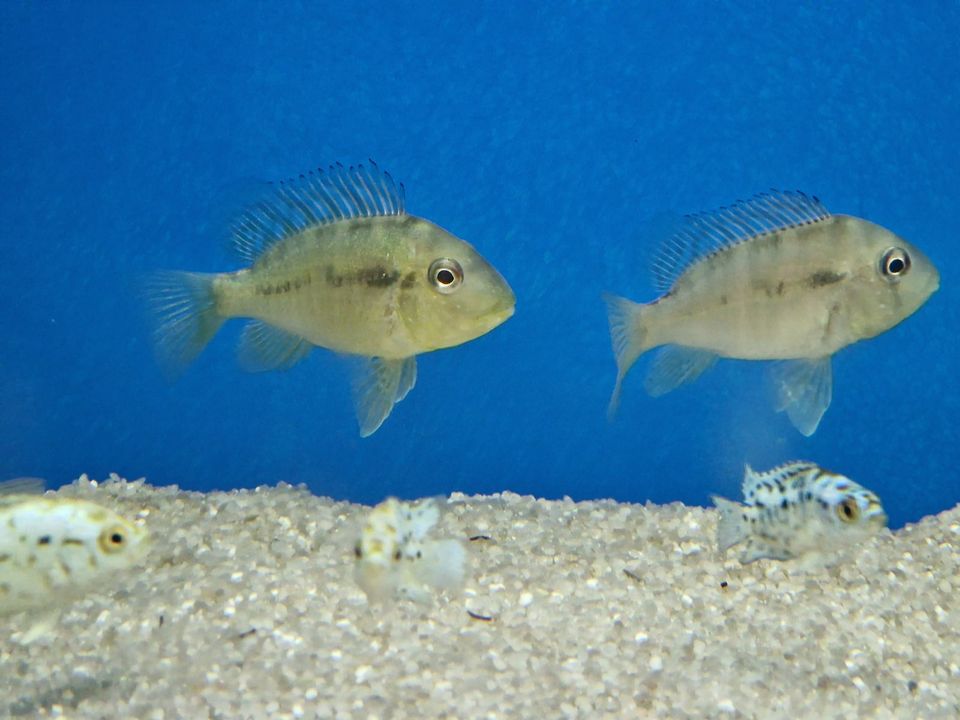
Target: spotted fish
(778,278)
(55,549)
(395,557)
(336,262)
(795,509)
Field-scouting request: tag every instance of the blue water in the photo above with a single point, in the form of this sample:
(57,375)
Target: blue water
(547,135)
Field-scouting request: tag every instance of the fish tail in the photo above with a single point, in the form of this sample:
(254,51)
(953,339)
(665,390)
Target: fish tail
(184,308)
(628,332)
(731,528)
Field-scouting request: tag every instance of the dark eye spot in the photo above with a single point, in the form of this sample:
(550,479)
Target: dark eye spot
(116,539)
(895,262)
(446,275)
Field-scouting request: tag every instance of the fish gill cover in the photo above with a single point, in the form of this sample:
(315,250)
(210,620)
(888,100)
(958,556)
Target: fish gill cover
(133,136)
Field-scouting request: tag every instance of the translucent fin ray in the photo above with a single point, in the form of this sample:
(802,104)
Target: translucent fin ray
(804,390)
(703,234)
(378,386)
(265,347)
(316,198)
(676,365)
(628,335)
(22,486)
(185,317)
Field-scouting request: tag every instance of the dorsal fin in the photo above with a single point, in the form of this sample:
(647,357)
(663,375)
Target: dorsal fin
(703,234)
(319,197)
(757,484)
(23,486)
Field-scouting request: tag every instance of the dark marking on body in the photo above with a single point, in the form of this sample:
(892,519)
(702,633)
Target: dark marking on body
(723,300)
(43,540)
(409,280)
(632,575)
(377,277)
(780,288)
(71,541)
(479,537)
(824,277)
(247,633)
(724,584)
(478,616)
(285,286)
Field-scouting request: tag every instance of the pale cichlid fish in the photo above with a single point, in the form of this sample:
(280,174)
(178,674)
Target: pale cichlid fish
(776,277)
(797,509)
(54,549)
(397,558)
(336,262)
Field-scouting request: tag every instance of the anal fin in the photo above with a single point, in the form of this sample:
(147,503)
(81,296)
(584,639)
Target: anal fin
(265,347)
(379,385)
(676,365)
(804,390)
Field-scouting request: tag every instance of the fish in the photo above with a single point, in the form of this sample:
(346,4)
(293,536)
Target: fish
(797,509)
(395,558)
(776,277)
(53,550)
(334,261)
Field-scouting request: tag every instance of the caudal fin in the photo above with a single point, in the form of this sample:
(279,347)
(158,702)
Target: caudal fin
(185,316)
(628,333)
(731,528)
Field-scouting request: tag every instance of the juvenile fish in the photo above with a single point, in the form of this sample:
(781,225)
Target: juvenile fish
(336,262)
(776,277)
(395,557)
(53,549)
(796,509)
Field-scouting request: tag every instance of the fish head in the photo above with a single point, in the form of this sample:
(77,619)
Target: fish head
(892,280)
(455,295)
(120,543)
(848,506)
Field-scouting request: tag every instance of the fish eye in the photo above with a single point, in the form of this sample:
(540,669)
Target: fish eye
(112,540)
(445,274)
(895,262)
(848,511)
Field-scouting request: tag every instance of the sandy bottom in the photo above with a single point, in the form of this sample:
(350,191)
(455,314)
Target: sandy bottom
(246,608)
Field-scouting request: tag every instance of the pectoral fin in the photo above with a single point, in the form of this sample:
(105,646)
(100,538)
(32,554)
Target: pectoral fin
(804,389)
(379,385)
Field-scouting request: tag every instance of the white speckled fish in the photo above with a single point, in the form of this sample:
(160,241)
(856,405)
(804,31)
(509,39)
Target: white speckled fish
(54,549)
(395,558)
(776,277)
(795,509)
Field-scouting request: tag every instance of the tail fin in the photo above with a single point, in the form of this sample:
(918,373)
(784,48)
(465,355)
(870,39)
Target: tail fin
(629,335)
(186,318)
(731,528)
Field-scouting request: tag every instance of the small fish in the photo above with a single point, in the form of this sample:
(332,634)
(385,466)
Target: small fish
(776,277)
(795,509)
(54,549)
(395,558)
(336,262)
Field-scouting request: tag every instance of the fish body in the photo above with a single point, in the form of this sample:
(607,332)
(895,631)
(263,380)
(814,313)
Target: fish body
(395,557)
(796,509)
(53,550)
(336,262)
(773,278)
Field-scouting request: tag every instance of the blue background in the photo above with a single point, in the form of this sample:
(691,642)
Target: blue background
(547,134)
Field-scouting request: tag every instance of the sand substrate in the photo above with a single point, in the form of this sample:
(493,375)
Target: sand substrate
(246,608)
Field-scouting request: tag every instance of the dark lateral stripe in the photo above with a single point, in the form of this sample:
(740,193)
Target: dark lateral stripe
(824,277)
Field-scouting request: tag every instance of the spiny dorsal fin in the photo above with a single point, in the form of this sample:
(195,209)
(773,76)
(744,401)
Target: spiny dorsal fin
(319,197)
(23,486)
(703,234)
(762,485)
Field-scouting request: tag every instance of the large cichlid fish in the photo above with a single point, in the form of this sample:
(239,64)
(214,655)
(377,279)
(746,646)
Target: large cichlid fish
(776,277)
(336,262)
